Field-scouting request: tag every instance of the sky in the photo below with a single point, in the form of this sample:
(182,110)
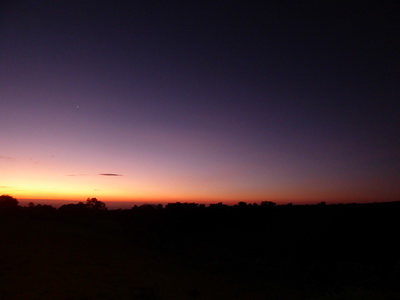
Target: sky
(205,101)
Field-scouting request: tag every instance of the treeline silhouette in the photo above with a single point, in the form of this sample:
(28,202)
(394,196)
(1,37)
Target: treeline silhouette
(293,250)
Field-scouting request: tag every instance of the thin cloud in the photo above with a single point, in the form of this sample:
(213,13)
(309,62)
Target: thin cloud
(5,187)
(5,157)
(110,174)
(101,174)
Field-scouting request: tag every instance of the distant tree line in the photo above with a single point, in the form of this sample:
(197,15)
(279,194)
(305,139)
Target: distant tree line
(9,203)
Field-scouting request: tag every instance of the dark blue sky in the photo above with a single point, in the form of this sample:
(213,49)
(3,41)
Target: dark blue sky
(208,99)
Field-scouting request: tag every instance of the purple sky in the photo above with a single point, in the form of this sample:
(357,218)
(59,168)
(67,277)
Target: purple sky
(200,101)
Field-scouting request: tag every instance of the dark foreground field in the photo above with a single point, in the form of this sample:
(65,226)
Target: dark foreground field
(186,251)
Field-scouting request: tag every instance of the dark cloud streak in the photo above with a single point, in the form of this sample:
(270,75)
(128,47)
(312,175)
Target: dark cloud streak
(110,174)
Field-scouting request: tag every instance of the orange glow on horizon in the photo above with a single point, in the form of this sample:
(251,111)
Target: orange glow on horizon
(25,195)
(162,180)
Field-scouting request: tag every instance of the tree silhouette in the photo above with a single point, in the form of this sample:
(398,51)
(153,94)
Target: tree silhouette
(268,204)
(80,207)
(242,204)
(94,204)
(8,202)
(40,207)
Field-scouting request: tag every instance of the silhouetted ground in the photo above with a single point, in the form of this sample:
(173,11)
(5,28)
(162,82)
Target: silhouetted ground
(187,251)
